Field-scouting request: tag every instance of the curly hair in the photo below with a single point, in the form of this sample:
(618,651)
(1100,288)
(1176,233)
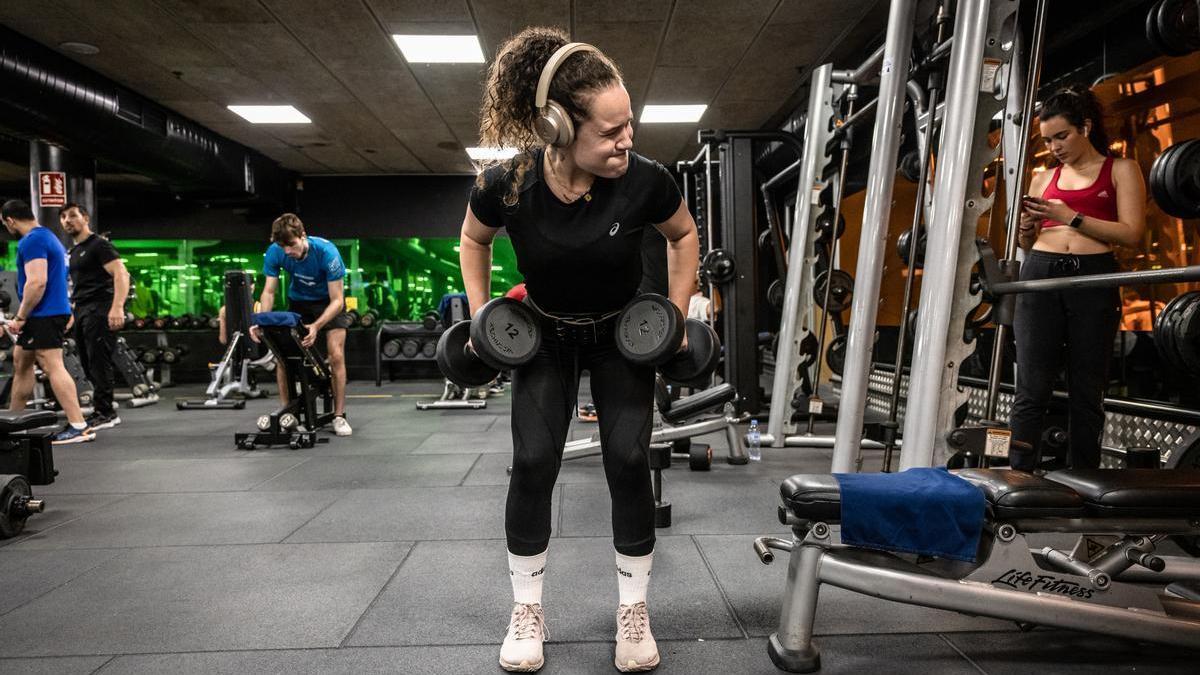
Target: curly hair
(1077,104)
(508,112)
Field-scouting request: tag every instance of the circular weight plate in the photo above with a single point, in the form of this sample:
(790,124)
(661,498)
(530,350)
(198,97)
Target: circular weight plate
(459,367)
(698,362)
(649,330)
(12,489)
(824,227)
(764,241)
(1158,187)
(835,354)
(775,294)
(1184,183)
(1171,177)
(910,166)
(1187,334)
(391,348)
(1152,35)
(904,248)
(505,334)
(839,295)
(719,266)
(700,457)
(1174,27)
(428,349)
(1164,338)
(288,421)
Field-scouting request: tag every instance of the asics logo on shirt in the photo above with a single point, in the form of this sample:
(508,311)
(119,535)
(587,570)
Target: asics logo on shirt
(1103,193)
(612,232)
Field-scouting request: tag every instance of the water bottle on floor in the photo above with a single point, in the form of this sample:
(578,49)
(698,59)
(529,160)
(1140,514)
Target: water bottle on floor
(754,442)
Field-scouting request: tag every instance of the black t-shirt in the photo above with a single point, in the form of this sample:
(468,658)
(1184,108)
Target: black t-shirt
(91,282)
(583,257)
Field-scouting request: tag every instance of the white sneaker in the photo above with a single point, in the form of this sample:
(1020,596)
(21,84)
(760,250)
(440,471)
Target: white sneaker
(522,648)
(341,427)
(636,648)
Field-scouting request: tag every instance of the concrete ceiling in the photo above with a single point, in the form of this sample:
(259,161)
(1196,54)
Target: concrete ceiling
(374,113)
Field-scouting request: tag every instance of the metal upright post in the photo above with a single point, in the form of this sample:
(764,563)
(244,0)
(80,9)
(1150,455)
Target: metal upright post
(885,143)
(799,275)
(1016,171)
(945,234)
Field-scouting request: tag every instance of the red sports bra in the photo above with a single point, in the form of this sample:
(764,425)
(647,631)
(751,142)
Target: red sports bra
(1098,200)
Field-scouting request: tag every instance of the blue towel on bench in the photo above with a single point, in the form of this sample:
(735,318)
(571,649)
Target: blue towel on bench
(275,319)
(922,511)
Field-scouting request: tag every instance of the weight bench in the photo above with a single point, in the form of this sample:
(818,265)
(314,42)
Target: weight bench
(296,423)
(675,416)
(1088,589)
(26,458)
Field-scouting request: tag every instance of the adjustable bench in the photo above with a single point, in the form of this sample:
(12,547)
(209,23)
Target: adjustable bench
(675,417)
(1078,590)
(25,459)
(296,423)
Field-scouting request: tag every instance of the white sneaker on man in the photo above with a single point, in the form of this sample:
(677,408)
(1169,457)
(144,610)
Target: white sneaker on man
(636,649)
(341,427)
(522,648)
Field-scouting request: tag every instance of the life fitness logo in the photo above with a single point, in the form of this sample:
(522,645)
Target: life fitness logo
(52,188)
(1022,580)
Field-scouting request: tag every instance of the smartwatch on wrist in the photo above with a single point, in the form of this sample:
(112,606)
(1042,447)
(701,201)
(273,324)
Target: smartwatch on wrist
(1076,221)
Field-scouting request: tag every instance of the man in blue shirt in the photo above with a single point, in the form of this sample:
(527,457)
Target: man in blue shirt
(315,292)
(41,319)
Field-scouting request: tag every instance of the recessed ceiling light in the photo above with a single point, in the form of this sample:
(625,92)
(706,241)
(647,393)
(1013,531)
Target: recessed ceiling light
(440,48)
(270,114)
(81,48)
(485,154)
(668,114)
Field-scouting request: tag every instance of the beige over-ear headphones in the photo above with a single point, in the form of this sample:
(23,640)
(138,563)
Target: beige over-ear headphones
(553,124)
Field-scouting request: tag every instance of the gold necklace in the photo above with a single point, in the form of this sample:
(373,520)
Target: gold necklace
(564,190)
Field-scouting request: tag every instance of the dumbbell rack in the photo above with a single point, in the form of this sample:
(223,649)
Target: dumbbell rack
(404,341)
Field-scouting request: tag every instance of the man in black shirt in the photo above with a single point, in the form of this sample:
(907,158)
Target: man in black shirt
(100,284)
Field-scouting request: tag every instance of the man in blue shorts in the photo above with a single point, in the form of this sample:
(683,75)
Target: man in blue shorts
(315,292)
(40,322)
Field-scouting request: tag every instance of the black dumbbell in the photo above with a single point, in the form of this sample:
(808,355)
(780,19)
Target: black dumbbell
(650,330)
(504,334)
(391,348)
(160,322)
(428,349)
(214,322)
(140,323)
(430,320)
(150,356)
(369,318)
(410,347)
(354,317)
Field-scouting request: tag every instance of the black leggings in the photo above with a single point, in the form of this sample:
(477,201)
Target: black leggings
(1075,328)
(544,399)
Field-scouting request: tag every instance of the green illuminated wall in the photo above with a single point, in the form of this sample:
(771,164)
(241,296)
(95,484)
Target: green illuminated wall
(401,278)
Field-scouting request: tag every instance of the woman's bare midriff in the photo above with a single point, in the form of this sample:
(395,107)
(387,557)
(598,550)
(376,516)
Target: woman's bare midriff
(1064,239)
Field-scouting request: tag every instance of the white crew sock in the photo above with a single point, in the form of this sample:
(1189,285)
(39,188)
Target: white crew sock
(633,577)
(527,573)
(79,426)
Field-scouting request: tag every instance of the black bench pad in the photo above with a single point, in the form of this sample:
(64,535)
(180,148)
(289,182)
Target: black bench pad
(1016,494)
(1135,493)
(1010,494)
(26,419)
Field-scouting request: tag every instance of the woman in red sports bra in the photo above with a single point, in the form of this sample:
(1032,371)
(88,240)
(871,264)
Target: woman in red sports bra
(1090,202)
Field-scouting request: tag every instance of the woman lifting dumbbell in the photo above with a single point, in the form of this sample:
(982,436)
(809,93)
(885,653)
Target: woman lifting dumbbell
(575,202)
(1090,202)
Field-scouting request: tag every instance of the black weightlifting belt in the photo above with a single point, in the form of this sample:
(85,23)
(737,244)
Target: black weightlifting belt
(580,330)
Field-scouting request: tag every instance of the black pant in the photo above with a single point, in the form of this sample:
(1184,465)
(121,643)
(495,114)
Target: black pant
(1075,328)
(544,398)
(96,344)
